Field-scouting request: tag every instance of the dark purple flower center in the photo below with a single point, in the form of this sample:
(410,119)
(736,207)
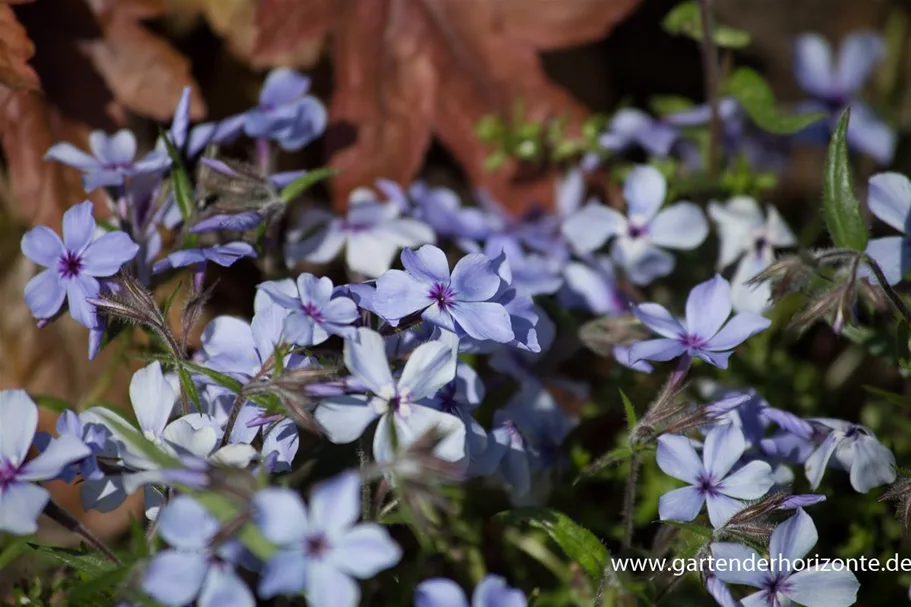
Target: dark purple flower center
(395,403)
(7,473)
(706,484)
(692,341)
(312,311)
(70,265)
(118,166)
(448,402)
(760,244)
(777,584)
(352,227)
(316,545)
(635,231)
(442,295)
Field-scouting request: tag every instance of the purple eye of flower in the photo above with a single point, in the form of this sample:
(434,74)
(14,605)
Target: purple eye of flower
(70,265)
(316,545)
(692,341)
(761,243)
(634,231)
(706,484)
(441,294)
(312,311)
(7,472)
(353,227)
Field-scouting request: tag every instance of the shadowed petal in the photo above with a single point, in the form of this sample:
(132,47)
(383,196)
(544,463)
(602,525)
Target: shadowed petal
(335,504)
(281,516)
(439,592)
(428,264)
(857,56)
(893,256)
(187,525)
(655,349)
(20,506)
(174,578)
(70,155)
(794,538)
(818,460)
(365,551)
(60,453)
(870,135)
(344,418)
(44,294)
(589,228)
(644,191)
(474,279)
(431,366)
(78,289)
(365,357)
(679,226)
(484,320)
(707,307)
(813,65)
(873,465)
(658,319)
(285,573)
(421,420)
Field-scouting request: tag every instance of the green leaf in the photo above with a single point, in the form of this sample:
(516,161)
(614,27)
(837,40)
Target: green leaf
(187,385)
(757,98)
(630,412)
(890,397)
(579,544)
(90,563)
(220,378)
(16,546)
(685,20)
(180,181)
(840,209)
(700,530)
(98,588)
(662,105)
(57,405)
(305,182)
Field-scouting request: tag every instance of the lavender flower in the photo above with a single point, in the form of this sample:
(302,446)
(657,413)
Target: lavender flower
(460,397)
(21,501)
(286,113)
(460,302)
(812,586)
(835,86)
(641,237)
(314,313)
(322,550)
(112,159)
(191,569)
(711,480)
(631,126)
(704,334)
(397,403)
(94,436)
(748,236)
(492,591)
(74,264)
(889,198)
(222,254)
(371,234)
(855,448)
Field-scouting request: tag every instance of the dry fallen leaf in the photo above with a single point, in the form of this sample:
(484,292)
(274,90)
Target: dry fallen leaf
(405,69)
(144,72)
(15,51)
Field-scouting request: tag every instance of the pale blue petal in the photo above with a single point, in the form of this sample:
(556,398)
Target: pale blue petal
(738,330)
(873,465)
(473,278)
(431,366)
(285,573)
(721,508)
(299,330)
(439,592)
(644,191)
(677,458)
(794,538)
(420,420)
(707,307)
(283,85)
(658,319)
(813,65)
(870,135)
(748,483)
(399,294)
(642,261)
(281,293)
(889,198)
(344,418)
(20,506)
(679,226)
(340,311)
(484,320)
(70,155)
(107,254)
(44,294)
(313,290)
(60,453)
(335,505)
(428,264)
(365,358)
(589,228)
(733,552)
(78,226)
(493,591)
(78,289)
(818,460)
(186,525)
(174,578)
(723,447)
(237,222)
(857,57)
(281,516)
(893,256)
(717,359)
(224,588)
(681,504)
(329,587)
(42,245)
(365,550)
(823,588)
(152,397)
(655,349)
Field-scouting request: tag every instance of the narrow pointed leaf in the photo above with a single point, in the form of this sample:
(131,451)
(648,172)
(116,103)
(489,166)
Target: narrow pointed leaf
(756,96)
(840,207)
(305,182)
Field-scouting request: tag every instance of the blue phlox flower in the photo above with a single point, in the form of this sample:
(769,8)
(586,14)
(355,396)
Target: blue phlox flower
(112,159)
(371,233)
(441,209)
(460,397)
(632,127)
(710,478)
(222,254)
(286,113)
(835,85)
(322,549)
(856,449)
(74,264)
(397,402)
(787,584)
(492,591)
(459,302)
(94,436)
(639,239)
(314,313)
(706,333)
(22,501)
(752,239)
(190,569)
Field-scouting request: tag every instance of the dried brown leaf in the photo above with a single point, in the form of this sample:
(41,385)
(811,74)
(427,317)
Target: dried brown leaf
(15,51)
(406,69)
(144,72)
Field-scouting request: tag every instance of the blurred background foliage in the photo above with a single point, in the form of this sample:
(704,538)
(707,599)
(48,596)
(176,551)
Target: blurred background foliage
(408,84)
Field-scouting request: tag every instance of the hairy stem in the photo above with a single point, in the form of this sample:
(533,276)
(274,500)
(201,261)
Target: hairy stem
(887,288)
(710,74)
(364,462)
(629,499)
(70,522)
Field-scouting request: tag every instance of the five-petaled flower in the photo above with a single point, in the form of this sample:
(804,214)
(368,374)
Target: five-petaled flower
(788,581)
(314,313)
(460,302)
(704,334)
(321,548)
(641,237)
(21,501)
(492,591)
(74,264)
(855,448)
(112,159)
(711,480)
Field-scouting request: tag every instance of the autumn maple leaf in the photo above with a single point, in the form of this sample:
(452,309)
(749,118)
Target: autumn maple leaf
(409,69)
